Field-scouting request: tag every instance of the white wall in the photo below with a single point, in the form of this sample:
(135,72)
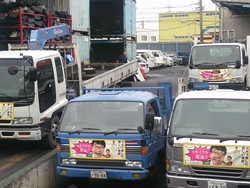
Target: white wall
(148,33)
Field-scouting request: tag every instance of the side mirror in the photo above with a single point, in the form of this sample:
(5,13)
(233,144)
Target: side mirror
(157,125)
(32,74)
(245,62)
(238,64)
(13,70)
(149,124)
(184,61)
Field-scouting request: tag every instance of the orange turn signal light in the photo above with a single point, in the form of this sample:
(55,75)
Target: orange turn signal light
(58,148)
(144,150)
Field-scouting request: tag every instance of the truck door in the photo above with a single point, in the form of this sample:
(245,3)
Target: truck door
(156,143)
(46,84)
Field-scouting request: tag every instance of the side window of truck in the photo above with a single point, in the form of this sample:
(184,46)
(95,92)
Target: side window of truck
(46,84)
(59,70)
(152,107)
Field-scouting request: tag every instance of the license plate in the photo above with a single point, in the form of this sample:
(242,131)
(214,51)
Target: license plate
(214,184)
(98,174)
(213,87)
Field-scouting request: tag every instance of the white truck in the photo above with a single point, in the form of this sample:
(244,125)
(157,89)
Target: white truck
(33,88)
(223,65)
(208,140)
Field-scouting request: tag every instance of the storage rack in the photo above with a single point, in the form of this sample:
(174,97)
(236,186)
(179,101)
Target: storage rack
(21,27)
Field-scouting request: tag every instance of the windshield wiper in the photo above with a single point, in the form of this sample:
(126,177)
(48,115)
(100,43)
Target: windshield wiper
(82,130)
(197,65)
(117,130)
(239,137)
(14,98)
(196,133)
(223,63)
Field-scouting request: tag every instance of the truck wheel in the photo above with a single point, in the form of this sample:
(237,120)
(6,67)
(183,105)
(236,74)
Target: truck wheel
(157,176)
(49,141)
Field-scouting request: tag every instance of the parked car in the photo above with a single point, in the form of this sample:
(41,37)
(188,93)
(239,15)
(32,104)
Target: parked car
(150,57)
(177,59)
(143,64)
(170,59)
(161,58)
(184,54)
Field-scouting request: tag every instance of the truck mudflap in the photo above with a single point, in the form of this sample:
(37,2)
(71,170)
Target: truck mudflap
(109,173)
(234,86)
(174,181)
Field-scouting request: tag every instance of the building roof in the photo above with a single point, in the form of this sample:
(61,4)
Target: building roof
(36,54)
(142,96)
(215,94)
(187,12)
(239,6)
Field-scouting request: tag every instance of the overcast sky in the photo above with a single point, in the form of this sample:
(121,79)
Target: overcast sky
(148,10)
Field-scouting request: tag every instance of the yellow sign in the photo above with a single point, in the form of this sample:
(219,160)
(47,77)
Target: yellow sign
(6,110)
(216,155)
(215,74)
(97,149)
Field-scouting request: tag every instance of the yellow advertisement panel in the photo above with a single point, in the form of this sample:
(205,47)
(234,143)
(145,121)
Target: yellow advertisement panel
(6,110)
(216,155)
(97,149)
(215,74)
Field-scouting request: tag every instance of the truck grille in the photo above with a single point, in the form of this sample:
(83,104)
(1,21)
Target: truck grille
(100,163)
(218,172)
(130,150)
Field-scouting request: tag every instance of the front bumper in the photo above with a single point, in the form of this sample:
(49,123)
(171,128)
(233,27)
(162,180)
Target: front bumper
(185,181)
(14,133)
(111,173)
(234,86)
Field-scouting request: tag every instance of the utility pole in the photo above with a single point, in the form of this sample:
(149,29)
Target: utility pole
(215,24)
(142,24)
(201,30)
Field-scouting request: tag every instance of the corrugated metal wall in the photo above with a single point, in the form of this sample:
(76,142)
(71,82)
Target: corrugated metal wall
(79,9)
(167,46)
(84,42)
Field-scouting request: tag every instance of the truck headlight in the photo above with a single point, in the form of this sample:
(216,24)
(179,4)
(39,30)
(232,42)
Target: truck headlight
(22,121)
(133,163)
(179,169)
(192,79)
(69,161)
(236,80)
(72,161)
(65,161)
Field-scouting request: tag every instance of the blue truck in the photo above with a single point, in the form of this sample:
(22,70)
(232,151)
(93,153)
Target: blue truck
(115,133)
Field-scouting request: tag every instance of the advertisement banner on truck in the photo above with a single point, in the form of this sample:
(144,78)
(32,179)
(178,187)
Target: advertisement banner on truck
(215,74)
(216,155)
(6,111)
(97,149)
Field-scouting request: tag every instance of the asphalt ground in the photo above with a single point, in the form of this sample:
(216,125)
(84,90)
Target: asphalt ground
(15,155)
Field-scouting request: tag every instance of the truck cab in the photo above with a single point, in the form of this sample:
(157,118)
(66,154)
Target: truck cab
(32,88)
(223,65)
(208,140)
(114,135)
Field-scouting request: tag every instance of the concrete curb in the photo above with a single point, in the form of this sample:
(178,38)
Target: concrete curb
(40,173)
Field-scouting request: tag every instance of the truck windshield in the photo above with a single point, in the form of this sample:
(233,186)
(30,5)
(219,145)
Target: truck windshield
(103,116)
(12,86)
(224,118)
(215,54)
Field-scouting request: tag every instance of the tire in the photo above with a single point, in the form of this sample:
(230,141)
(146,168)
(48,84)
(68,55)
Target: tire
(157,175)
(49,141)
